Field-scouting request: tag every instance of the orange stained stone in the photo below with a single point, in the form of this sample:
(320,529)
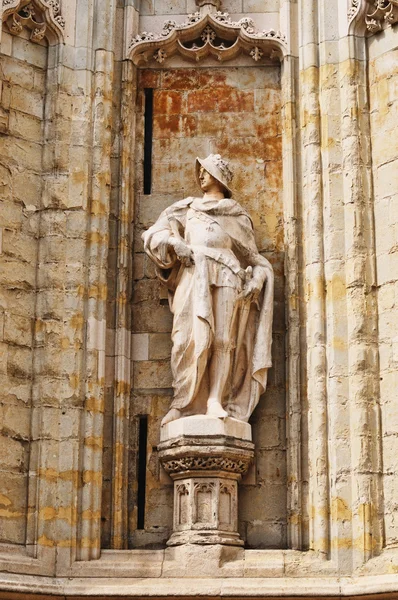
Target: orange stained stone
(165,126)
(220,100)
(148,78)
(189,79)
(168,102)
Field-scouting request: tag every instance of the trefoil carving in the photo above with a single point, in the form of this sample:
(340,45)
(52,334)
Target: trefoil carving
(211,34)
(41,17)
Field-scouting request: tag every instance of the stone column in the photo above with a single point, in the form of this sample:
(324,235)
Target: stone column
(206,457)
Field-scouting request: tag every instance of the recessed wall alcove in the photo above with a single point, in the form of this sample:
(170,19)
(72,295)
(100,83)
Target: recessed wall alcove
(183,112)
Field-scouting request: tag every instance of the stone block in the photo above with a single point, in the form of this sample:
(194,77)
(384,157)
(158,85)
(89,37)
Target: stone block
(149,79)
(173,125)
(17,73)
(269,432)
(267,499)
(27,101)
(13,455)
(159,346)
(15,420)
(151,206)
(23,153)
(13,507)
(5,96)
(19,300)
(199,425)
(261,6)
(140,343)
(266,535)
(220,100)
(264,563)
(18,330)
(168,102)
(6,43)
(271,467)
(170,7)
(146,290)
(20,247)
(152,374)
(19,362)
(152,318)
(214,561)
(159,508)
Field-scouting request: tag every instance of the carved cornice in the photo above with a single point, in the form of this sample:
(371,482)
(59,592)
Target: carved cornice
(42,17)
(211,34)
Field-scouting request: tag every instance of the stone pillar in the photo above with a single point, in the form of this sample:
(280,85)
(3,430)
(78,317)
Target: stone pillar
(206,457)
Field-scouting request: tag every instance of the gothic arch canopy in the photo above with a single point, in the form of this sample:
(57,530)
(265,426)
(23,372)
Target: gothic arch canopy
(211,34)
(42,17)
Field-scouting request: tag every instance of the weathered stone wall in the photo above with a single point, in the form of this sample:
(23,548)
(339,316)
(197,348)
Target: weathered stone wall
(154,12)
(72,211)
(383,88)
(237,113)
(23,74)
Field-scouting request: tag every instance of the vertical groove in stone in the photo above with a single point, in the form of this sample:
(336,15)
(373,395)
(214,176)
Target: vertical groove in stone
(314,280)
(293,395)
(363,364)
(93,422)
(336,305)
(123,318)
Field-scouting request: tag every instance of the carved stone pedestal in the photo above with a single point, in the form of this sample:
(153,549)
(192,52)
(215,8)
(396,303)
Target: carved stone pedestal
(206,457)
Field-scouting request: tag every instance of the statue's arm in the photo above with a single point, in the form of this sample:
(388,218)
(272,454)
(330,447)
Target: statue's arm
(164,241)
(262,269)
(157,243)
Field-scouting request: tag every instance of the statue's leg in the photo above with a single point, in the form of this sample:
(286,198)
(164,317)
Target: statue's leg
(224,299)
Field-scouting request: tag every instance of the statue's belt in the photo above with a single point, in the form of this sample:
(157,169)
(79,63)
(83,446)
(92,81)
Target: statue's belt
(222,258)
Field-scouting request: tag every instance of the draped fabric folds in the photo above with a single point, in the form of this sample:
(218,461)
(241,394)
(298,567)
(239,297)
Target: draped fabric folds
(191,291)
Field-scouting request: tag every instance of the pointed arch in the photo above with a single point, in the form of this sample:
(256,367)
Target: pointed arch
(42,18)
(212,34)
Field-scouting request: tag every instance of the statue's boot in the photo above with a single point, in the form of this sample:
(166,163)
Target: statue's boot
(214,409)
(172,415)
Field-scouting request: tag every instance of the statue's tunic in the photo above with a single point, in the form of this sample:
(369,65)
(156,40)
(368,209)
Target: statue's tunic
(220,234)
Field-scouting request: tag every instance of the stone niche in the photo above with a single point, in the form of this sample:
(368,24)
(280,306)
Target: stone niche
(234,111)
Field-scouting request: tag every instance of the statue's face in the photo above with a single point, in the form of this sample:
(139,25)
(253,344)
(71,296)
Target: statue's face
(208,182)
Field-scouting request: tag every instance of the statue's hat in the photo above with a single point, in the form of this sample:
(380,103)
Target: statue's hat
(218,168)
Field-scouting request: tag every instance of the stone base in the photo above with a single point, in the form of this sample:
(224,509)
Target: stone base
(202,425)
(204,537)
(206,461)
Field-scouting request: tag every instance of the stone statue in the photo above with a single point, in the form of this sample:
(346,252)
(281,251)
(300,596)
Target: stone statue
(221,296)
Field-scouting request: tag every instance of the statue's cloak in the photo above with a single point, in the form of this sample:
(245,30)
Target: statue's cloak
(190,297)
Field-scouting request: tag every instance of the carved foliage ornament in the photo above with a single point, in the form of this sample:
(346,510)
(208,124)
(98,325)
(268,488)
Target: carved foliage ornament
(41,17)
(206,463)
(353,9)
(384,12)
(216,35)
(376,13)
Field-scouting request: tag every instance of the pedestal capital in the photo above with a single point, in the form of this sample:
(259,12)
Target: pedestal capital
(206,461)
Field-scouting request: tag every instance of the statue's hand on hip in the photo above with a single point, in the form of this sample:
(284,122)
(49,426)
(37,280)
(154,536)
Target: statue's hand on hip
(183,252)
